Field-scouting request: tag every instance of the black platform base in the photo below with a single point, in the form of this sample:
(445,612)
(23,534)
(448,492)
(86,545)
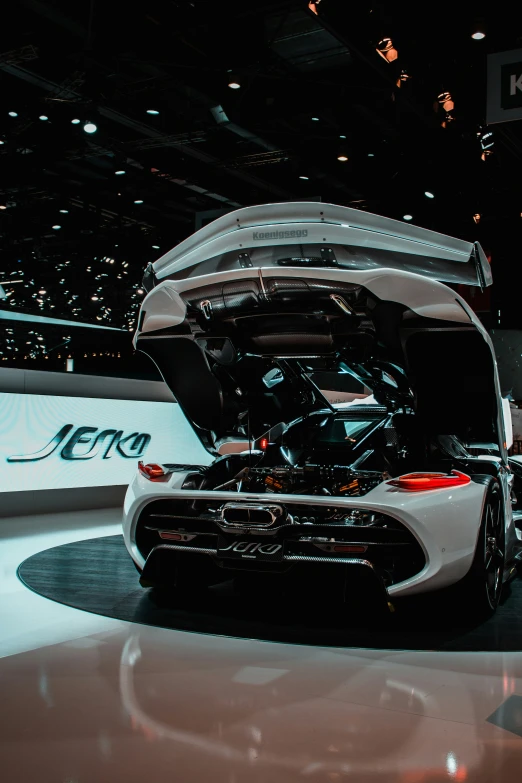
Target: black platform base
(98,576)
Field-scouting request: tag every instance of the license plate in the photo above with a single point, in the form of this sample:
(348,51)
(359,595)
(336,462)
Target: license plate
(244,549)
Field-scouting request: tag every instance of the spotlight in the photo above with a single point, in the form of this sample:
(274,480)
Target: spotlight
(387,50)
(56,228)
(342,137)
(119,172)
(42,291)
(3,206)
(315,119)
(429,194)
(2,141)
(140,290)
(43,117)
(64,211)
(342,158)
(403,78)
(94,298)
(90,127)
(487,142)
(13,114)
(478,35)
(303,177)
(75,122)
(407,217)
(156,247)
(446,101)
(371,155)
(152,111)
(138,201)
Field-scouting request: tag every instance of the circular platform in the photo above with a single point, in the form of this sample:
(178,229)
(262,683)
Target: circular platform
(97,575)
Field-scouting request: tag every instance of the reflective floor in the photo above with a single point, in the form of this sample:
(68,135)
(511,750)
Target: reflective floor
(85,698)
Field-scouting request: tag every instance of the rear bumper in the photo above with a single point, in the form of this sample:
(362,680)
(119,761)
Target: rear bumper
(444,525)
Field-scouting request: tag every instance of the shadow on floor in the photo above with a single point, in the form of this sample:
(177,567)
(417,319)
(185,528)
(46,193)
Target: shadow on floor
(97,575)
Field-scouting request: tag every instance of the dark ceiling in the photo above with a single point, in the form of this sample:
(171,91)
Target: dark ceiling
(211,148)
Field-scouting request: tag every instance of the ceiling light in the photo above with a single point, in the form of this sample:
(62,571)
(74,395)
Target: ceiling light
(152,111)
(64,211)
(43,117)
(56,228)
(407,217)
(120,171)
(140,290)
(387,50)
(156,247)
(342,137)
(315,119)
(478,35)
(138,201)
(2,141)
(75,122)
(371,155)
(342,158)
(13,114)
(428,194)
(3,206)
(233,80)
(42,291)
(94,298)
(302,176)
(90,127)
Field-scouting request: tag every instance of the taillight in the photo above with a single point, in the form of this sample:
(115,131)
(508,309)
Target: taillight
(263,444)
(353,549)
(153,472)
(419,482)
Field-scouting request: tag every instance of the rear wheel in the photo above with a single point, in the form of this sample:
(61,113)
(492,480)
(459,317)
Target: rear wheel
(480,590)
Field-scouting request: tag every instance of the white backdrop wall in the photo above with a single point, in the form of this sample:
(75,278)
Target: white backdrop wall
(49,442)
(71,441)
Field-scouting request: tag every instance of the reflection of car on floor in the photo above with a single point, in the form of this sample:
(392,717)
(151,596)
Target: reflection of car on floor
(349,398)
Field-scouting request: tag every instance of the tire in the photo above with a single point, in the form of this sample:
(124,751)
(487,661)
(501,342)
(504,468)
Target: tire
(478,593)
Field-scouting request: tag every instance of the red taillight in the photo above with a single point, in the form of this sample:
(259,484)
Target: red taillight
(171,536)
(153,472)
(263,444)
(419,482)
(352,549)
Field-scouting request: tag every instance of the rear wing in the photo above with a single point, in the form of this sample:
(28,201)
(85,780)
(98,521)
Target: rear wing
(320,235)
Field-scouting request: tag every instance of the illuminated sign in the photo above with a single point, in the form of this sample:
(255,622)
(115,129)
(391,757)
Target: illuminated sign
(49,442)
(105,444)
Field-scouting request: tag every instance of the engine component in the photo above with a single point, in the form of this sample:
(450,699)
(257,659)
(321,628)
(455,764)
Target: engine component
(339,480)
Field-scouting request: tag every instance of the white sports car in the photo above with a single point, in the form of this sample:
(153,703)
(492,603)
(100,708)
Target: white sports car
(350,400)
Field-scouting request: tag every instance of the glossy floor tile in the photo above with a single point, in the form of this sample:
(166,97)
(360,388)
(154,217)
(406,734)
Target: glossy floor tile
(91,700)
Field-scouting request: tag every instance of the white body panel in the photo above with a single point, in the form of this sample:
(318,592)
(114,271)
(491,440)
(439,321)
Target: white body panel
(316,222)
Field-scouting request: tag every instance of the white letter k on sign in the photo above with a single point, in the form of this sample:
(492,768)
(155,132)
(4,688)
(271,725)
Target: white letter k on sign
(516,84)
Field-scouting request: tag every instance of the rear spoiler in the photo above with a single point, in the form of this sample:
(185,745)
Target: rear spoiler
(261,236)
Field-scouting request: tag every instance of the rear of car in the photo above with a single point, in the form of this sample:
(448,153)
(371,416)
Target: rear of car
(351,404)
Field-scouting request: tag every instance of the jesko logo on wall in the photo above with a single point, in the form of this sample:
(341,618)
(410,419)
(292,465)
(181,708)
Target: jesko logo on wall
(87,442)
